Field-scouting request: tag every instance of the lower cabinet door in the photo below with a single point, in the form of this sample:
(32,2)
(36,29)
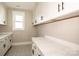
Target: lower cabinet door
(8,43)
(39,53)
(36,51)
(5,44)
(2,47)
(2,51)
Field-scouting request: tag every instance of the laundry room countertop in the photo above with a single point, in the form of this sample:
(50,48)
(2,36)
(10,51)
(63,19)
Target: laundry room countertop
(51,48)
(5,34)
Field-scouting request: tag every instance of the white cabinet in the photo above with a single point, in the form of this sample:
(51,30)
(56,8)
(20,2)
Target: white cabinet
(51,11)
(5,44)
(36,51)
(2,47)
(2,14)
(8,43)
(67,10)
(71,6)
(45,11)
(37,13)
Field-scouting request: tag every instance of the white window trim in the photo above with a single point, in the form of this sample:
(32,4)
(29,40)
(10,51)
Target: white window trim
(15,21)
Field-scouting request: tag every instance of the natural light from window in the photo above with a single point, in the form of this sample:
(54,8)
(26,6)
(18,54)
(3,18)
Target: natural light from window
(18,20)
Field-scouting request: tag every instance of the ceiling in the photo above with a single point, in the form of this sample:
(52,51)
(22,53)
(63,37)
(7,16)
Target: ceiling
(21,5)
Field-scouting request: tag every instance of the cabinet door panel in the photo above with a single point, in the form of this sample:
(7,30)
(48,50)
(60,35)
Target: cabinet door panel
(2,14)
(70,7)
(69,10)
(2,49)
(48,10)
(8,43)
(37,13)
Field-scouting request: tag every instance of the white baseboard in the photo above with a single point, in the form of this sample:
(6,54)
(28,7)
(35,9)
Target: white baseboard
(21,43)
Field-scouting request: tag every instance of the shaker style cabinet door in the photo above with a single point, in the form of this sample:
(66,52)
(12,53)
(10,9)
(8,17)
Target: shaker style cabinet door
(45,11)
(70,7)
(49,10)
(36,14)
(2,47)
(2,14)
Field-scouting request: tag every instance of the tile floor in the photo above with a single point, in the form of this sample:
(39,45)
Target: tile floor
(23,50)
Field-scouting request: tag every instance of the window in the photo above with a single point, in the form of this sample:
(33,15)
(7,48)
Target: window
(18,20)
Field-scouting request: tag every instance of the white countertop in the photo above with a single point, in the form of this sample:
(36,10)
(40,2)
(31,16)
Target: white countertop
(4,34)
(50,48)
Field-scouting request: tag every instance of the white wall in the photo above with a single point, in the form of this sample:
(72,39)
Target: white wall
(66,29)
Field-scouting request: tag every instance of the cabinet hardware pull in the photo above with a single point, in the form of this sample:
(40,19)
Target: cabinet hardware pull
(58,7)
(39,55)
(4,45)
(4,22)
(33,51)
(41,17)
(32,22)
(35,21)
(62,5)
(10,40)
